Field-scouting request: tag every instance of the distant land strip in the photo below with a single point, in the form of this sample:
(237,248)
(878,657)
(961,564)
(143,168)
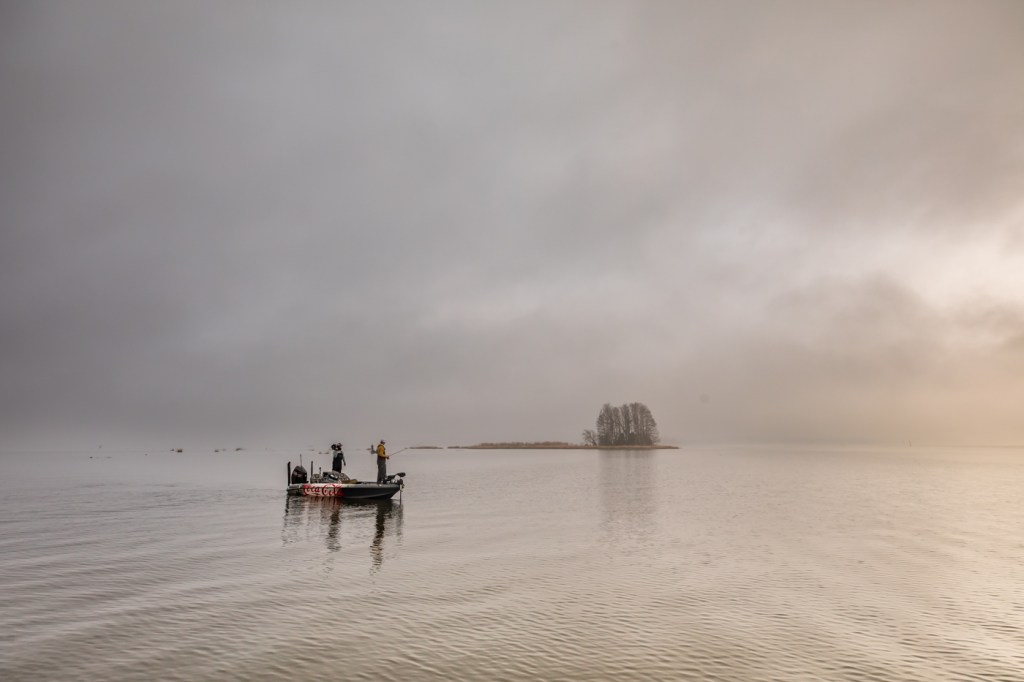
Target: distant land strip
(557,445)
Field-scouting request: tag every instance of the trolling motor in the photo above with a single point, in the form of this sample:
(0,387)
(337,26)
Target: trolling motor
(396,478)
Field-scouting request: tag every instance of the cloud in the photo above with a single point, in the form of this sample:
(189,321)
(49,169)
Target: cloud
(463,223)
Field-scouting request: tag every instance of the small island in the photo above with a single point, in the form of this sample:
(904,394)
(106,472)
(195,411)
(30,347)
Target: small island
(629,426)
(557,445)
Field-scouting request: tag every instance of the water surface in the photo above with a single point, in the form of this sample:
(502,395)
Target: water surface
(701,563)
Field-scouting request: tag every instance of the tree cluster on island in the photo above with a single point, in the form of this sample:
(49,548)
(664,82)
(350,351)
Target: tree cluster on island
(627,424)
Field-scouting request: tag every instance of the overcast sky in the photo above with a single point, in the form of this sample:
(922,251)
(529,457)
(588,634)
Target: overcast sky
(240,223)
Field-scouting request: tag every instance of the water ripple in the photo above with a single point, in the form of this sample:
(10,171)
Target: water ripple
(691,565)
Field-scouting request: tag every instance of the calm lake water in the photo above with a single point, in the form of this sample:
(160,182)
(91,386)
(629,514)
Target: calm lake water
(696,564)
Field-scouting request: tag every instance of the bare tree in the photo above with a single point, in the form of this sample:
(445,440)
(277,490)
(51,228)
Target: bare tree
(618,432)
(606,425)
(628,423)
(647,428)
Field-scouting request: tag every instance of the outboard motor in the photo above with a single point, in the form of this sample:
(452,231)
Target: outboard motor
(299,475)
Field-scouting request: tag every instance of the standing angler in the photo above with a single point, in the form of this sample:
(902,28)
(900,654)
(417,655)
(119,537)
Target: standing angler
(382,463)
(339,458)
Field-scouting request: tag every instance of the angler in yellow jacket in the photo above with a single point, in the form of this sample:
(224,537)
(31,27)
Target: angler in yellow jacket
(382,463)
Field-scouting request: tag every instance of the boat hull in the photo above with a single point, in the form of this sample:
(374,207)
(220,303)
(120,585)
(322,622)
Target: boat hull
(346,491)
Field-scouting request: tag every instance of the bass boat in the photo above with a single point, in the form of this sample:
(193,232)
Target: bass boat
(337,484)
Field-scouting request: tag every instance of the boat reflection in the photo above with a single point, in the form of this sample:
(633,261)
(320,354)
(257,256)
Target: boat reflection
(342,524)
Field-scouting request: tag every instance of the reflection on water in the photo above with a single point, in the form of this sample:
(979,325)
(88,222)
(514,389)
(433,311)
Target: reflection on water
(343,525)
(628,494)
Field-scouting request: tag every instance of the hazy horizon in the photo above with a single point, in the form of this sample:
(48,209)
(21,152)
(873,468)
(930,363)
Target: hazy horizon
(234,224)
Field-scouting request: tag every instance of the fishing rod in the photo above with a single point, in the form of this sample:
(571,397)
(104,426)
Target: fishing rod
(373,449)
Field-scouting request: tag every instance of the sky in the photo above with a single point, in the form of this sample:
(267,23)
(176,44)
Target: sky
(441,223)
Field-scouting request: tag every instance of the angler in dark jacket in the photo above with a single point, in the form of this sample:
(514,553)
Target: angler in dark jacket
(339,458)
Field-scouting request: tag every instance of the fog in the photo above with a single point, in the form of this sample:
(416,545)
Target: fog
(241,224)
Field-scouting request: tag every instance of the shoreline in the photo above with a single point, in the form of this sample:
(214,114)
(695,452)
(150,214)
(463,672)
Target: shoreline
(557,446)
